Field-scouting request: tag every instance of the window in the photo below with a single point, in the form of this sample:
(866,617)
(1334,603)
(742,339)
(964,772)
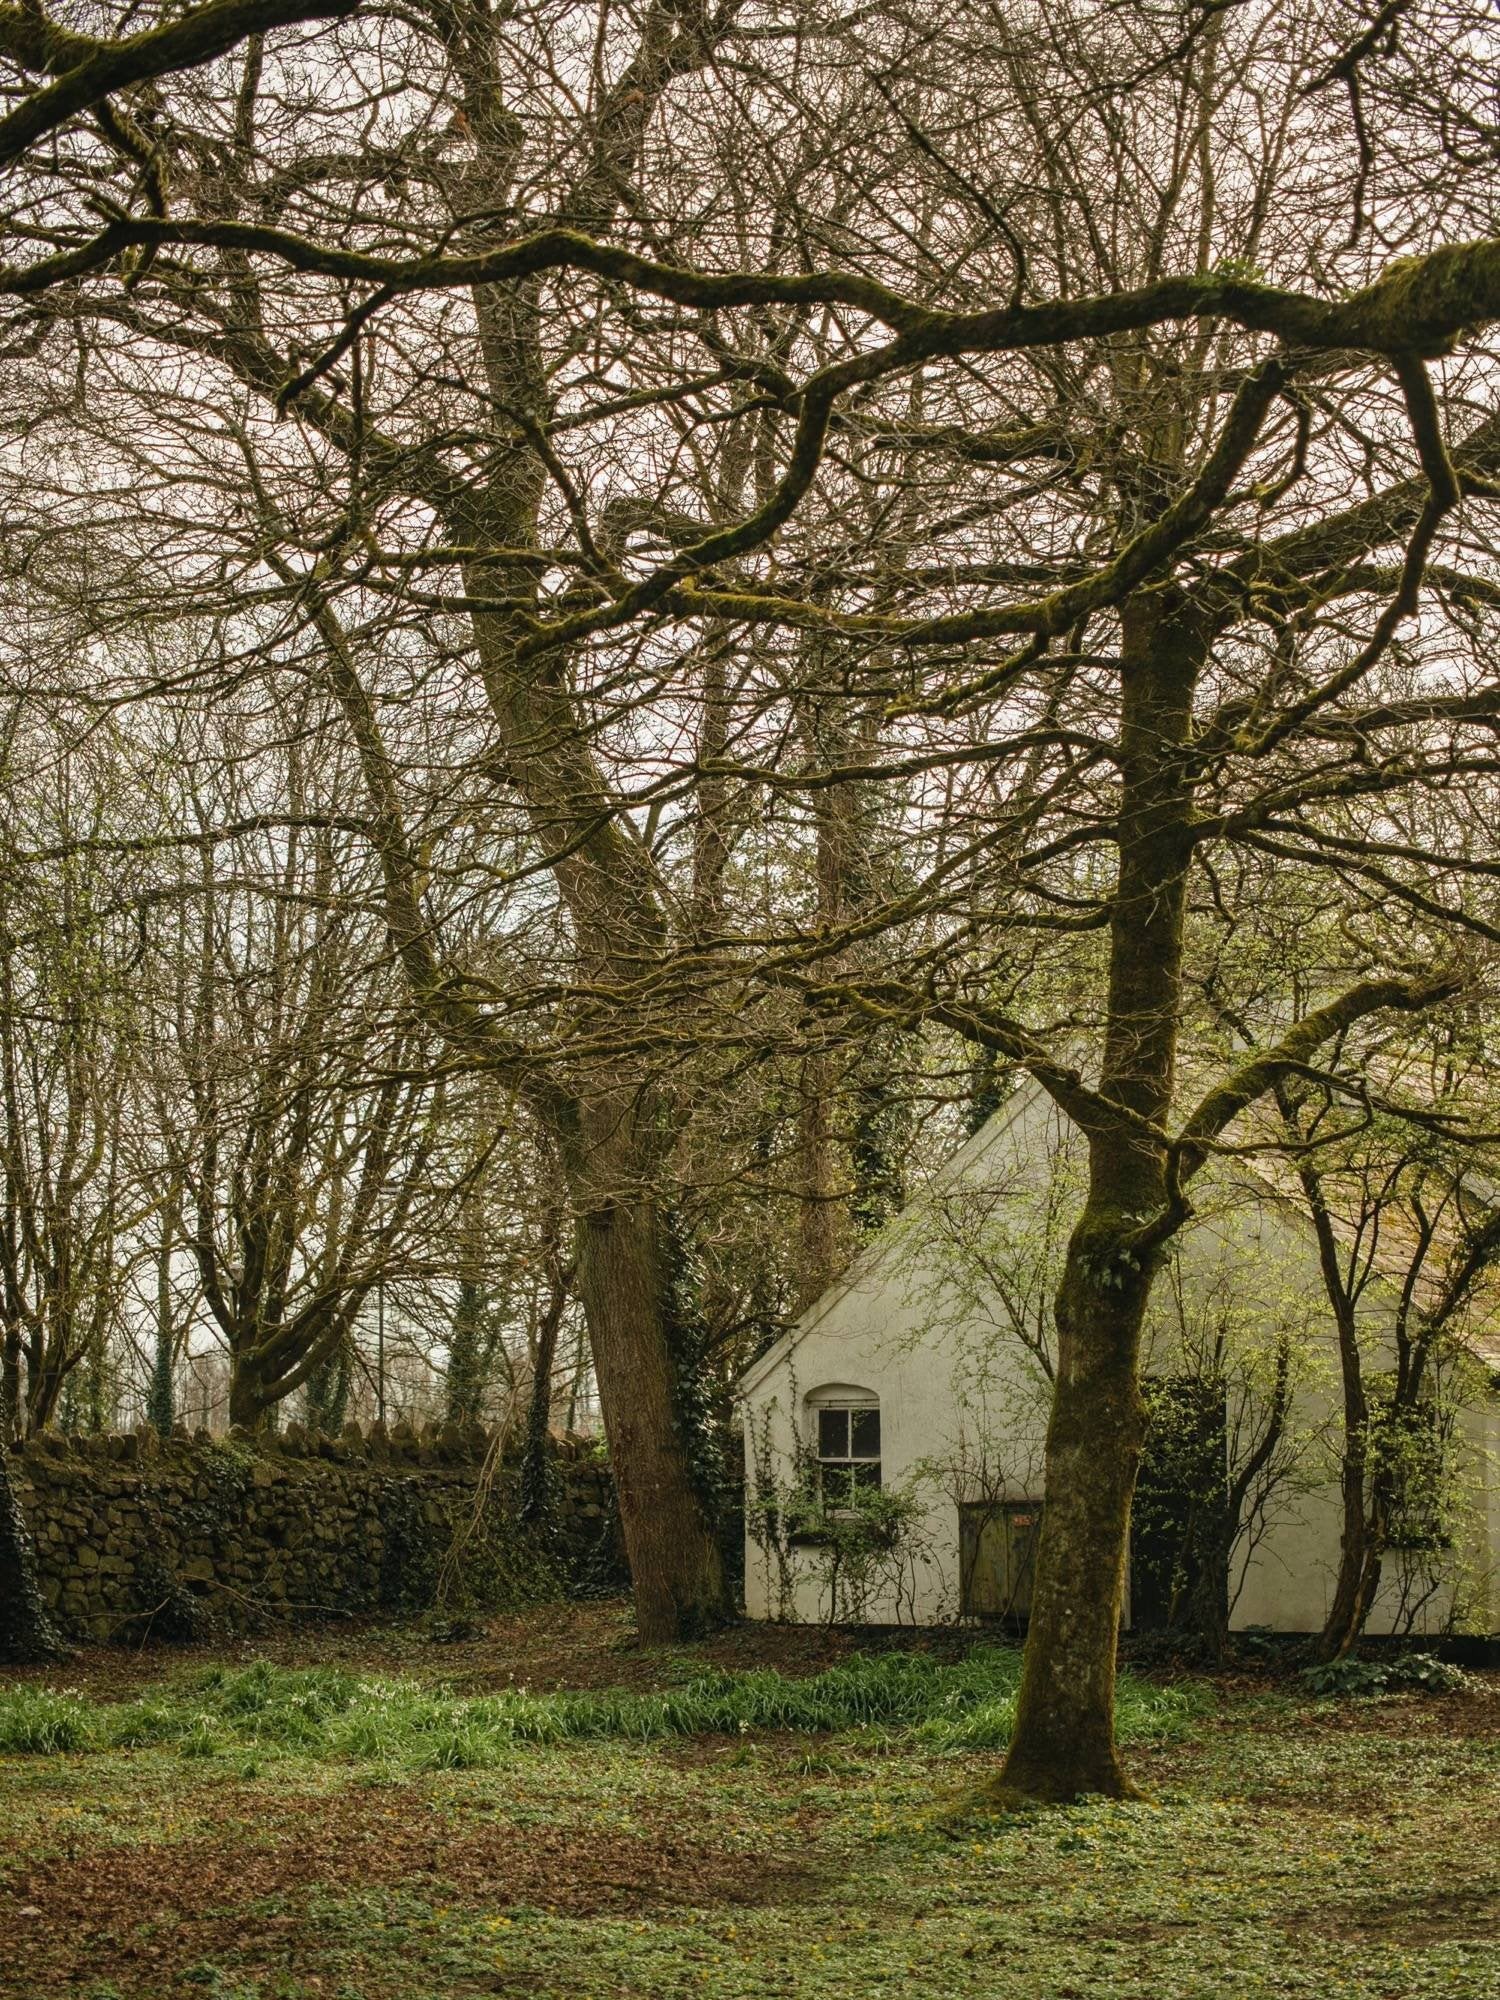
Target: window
(846,1446)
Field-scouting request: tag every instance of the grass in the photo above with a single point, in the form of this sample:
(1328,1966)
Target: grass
(327,1834)
(329,1712)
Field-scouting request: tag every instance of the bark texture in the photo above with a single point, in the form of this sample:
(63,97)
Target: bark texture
(1064,1747)
(674,1557)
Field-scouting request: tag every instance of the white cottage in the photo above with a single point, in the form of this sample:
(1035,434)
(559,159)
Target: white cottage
(894,1437)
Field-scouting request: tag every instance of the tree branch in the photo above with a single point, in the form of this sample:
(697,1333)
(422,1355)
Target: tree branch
(96,69)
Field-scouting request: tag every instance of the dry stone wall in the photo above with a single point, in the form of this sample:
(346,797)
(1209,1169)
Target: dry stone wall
(182,1537)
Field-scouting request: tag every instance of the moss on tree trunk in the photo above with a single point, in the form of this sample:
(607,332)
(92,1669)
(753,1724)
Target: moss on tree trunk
(1064,1741)
(674,1557)
(1064,1745)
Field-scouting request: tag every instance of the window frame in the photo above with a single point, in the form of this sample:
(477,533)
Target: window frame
(859,1468)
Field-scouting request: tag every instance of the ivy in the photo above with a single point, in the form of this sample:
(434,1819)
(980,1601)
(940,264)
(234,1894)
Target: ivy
(326,1397)
(698,1397)
(161,1401)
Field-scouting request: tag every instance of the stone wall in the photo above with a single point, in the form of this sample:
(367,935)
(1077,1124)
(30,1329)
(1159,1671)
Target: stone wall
(183,1537)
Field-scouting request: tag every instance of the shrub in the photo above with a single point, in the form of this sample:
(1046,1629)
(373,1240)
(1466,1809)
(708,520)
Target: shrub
(1350,1676)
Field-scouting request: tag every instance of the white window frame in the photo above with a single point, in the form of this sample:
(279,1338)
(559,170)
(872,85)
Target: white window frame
(850,1402)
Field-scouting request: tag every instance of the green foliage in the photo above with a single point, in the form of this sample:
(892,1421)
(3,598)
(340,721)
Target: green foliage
(855,1548)
(991,1082)
(161,1404)
(1419,1672)
(866,1520)
(325,1399)
(880,1139)
(1409,1461)
(853,1551)
(804,1867)
(38,1722)
(1144,1713)
(539,1490)
(329,1712)
(1180,1534)
(475,1335)
(1238,270)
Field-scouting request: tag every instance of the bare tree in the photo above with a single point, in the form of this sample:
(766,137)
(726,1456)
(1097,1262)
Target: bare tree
(70,1191)
(1180,555)
(1391,1202)
(296,1113)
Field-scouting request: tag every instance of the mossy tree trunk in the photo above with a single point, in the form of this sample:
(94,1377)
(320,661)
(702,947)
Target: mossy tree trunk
(675,1564)
(1360,1556)
(469,1361)
(611,1129)
(248,1408)
(1064,1739)
(1063,1746)
(326,1392)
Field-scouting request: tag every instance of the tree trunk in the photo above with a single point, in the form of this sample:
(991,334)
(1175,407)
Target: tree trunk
(1361,1549)
(467,1381)
(674,1558)
(160,1399)
(325,1394)
(1064,1744)
(535,1483)
(823,1235)
(44,1390)
(1360,1568)
(26,1630)
(249,1407)
(1346,1614)
(1064,1740)
(1210,1597)
(1359,1554)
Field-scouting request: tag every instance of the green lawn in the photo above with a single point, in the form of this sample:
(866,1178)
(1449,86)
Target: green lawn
(278,1833)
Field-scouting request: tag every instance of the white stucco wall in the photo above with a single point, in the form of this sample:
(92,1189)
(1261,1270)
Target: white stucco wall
(931,1319)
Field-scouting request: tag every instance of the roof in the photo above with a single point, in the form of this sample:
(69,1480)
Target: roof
(882,1245)
(1270,1173)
